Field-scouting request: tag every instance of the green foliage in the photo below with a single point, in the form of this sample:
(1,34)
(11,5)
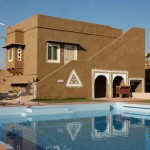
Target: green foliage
(68,100)
(3,104)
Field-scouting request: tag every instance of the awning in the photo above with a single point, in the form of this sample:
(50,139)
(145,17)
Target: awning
(60,41)
(19,84)
(13,44)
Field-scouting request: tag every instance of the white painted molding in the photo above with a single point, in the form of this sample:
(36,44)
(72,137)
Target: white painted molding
(107,75)
(123,75)
(110,75)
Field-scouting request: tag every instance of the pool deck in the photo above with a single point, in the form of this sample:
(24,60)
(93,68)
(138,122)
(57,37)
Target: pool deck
(126,100)
(119,99)
(21,102)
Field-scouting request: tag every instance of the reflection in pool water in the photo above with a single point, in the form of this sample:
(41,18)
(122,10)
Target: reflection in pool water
(98,127)
(111,132)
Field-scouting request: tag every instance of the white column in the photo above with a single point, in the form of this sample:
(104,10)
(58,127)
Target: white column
(35,90)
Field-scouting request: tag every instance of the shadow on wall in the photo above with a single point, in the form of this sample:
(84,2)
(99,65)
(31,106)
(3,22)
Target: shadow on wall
(23,91)
(26,91)
(8,95)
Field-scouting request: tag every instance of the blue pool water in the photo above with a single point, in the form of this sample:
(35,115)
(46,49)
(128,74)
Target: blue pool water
(113,126)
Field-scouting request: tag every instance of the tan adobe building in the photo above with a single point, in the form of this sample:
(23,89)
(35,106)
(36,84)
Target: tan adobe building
(59,58)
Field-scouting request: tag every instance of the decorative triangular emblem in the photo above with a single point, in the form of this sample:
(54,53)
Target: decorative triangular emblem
(74,80)
(73,129)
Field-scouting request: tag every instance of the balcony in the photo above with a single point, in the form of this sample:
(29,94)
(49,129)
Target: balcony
(15,58)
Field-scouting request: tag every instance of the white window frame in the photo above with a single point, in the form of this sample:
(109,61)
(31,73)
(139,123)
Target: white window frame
(58,53)
(19,53)
(10,49)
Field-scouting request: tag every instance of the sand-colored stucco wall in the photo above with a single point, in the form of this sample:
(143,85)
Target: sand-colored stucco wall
(88,47)
(90,38)
(124,54)
(24,32)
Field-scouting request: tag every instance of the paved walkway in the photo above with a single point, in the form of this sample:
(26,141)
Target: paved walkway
(126,100)
(119,99)
(22,102)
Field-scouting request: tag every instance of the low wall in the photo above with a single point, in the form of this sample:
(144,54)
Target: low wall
(141,95)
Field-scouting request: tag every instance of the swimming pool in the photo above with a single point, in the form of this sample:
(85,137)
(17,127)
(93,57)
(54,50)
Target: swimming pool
(110,126)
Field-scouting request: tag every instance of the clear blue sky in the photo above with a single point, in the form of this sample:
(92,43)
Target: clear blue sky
(122,14)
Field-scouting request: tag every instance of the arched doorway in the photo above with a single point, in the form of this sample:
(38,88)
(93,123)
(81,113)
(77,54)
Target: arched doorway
(100,87)
(118,81)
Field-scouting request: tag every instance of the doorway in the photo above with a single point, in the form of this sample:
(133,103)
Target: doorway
(118,81)
(100,87)
(70,53)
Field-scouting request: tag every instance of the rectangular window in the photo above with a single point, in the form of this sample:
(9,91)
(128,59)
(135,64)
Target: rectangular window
(10,54)
(53,53)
